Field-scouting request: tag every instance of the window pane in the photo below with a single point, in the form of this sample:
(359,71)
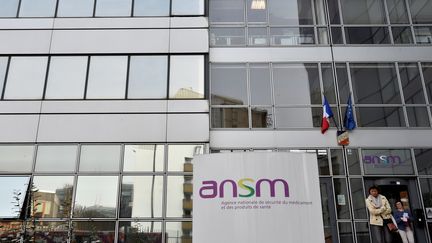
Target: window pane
(141,196)
(99,158)
(9,8)
(260,87)
(66,78)
(418,117)
(230,118)
(353,162)
(101,232)
(75,8)
(427,74)
(397,12)
(424,161)
(328,83)
(338,164)
(93,200)
(367,35)
(323,162)
(16,158)
(54,196)
(284,12)
(186,77)
(363,12)
(3,68)
(257,37)
(357,195)
(402,35)
(56,158)
(362,232)
(187,7)
(256,14)
(228,84)
(26,78)
(292,36)
(180,156)
(146,232)
(148,77)
(380,117)
(387,162)
(178,231)
(342,82)
(151,7)
(226,11)
(293,117)
(411,84)
(179,196)
(54,232)
(341,199)
(40,8)
(113,7)
(12,187)
(107,77)
(421,11)
(143,158)
(423,34)
(375,84)
(426,189)
(262,117)
(333,9)
(227,36)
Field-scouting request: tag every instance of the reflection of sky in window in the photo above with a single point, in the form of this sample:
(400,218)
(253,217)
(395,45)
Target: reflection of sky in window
(3,65)
(151,7)
(186,72)
(96,190)
(75,8)
(187,7)
(113,7)
(52,183)
(16,158)
(8,8)
(7,201)
(40,8)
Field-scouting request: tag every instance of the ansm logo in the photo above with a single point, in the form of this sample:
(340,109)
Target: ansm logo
(382,159)
(245,187)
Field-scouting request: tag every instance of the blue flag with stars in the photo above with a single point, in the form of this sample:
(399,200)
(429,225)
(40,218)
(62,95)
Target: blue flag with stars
(349,122)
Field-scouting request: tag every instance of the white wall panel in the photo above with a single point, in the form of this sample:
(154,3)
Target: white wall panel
(23,23)
(18,128)
(103,128)
(188,128)
(189,22)
(92,23)
(105,106)
(189,40)
(383,54)
(188,106)
(24,41)
(20,106)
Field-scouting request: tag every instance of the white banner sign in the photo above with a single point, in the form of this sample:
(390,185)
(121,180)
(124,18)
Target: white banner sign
(257,197)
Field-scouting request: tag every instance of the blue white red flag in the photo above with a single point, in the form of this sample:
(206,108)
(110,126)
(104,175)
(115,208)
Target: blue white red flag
(327,114)
(349,122)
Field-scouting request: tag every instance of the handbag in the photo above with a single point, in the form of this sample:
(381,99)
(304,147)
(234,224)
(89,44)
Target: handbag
(392,227)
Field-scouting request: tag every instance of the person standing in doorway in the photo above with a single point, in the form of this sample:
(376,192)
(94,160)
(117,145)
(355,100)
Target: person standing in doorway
(404,219)
(379,214)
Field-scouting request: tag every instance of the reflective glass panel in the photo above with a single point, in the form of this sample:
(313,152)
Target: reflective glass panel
(75,8)
(380,117)
(367,35)
(424,161)
(423,34)
(187,7)
(292,83)
(293,117)
(323,36)
(296,12)
(256,13)
(227,36)
(228,84)
(98,232)
(362,232)
(180,156)
(418,116)
(342,82)
(257,37)
(338,165)
(16,158)
(387,162)
(151,7)
(336,34)
(51,232)
(323,163)
(333,9)
(325,204)
(353,162)
(186,77)
(262,117)
(397,12)
(402,35)
(292,36)
(146,232)
(341,199)
(179,196)
(260,86)
(40,8)
(143,158)
(375,84)
(12,191)
(141,196)
(54,196)
(426,189)
(9,8)
(229,118)
(66,77)
(320,12)
(411,83)
(178,231)
(363,12)
(148,77)
(92,200)
(328,82)
(26,78)
(227,11)
(357,197)
(3,68)
(421,11)
(427,74)
(107,77)
(100,158)
(113,7)
(56,158)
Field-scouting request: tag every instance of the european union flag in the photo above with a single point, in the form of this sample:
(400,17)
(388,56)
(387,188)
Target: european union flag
(349,122)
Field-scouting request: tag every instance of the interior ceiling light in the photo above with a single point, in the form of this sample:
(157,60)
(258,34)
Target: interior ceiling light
(258,4)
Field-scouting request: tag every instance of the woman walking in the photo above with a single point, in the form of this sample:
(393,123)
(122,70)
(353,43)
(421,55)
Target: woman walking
(404,219)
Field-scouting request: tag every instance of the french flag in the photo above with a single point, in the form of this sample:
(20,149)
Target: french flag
(327,114)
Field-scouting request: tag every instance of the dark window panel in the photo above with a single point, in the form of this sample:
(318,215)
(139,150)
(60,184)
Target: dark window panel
(418,117)
(411,83)
(380,117)
(230,118)
(402,35)
(367,35)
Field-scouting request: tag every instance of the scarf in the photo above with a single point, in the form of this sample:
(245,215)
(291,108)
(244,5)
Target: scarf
(377,201)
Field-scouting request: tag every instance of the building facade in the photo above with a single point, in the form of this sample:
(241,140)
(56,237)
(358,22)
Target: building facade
(104,103)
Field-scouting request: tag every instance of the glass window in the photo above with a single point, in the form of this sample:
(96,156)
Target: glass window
(9,8)
(256,11)
(12,191)
(423,34)
(397,12)
(323,162)
(357,195)
(66,77)
(333,9)
(40,8)
(113,7)
(426,189)
(260,86)
(180,156)
(26,78)
(418,117)
(107,77)
(257,36)
(3,68)
(367,35)
(375,84)
(230,118)
(341,199)
(56,158)
(421,11)
(141,196)
(228,84)
(427,74)
(100,158)
(387,162)
(262,117)
(402,35)
(411,83)
(16,158)
(353,162)
(148,77)
(75,8)
(227,36)
(51,231)
(226,11)
(380,117)
(92,200)
(282,12)
(362,232)
(292,83)
(292,36)
(187,7)
(293,117)
(179,197)
(328,83)
(143,158)
(424,161)
(94,231)
(54,196)
(178,231)
(186,77)
(323,36)
(338,164)
(342,82)
(136,231)
(363,12)
(151,7)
